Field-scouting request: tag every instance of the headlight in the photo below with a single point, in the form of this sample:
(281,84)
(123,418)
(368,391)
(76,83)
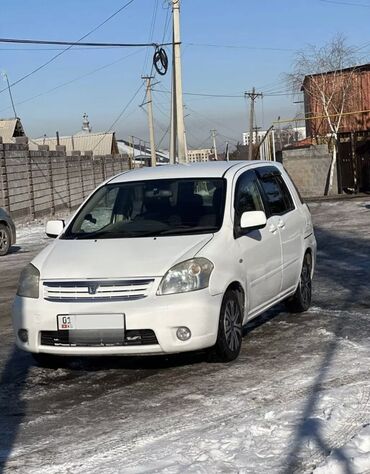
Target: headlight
(186,276)
(28,285)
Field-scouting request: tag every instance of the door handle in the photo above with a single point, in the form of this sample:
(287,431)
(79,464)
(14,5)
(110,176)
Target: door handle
(272,229)
(281,224)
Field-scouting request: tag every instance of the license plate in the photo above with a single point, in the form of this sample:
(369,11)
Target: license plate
(71,322)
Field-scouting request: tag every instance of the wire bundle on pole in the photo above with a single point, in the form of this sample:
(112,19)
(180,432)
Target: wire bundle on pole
(160,61)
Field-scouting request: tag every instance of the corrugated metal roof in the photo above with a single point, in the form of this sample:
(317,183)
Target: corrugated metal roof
(125,148)
(98,143)
(7,129)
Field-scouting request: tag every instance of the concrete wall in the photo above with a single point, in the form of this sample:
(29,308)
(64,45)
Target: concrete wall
(309,169)
(36,183)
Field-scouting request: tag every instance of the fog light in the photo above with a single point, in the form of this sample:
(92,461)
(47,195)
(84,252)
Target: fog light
(23,335)
(183,333)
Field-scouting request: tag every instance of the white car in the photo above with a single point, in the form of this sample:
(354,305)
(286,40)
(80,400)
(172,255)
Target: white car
(167,260)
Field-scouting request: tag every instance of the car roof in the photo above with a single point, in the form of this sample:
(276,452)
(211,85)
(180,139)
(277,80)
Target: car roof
(210,169)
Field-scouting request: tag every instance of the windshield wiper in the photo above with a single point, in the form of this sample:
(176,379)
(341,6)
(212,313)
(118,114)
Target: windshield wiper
(114,235)
(187,230)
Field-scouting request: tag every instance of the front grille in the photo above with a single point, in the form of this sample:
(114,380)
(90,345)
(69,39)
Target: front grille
(98,338)
(103,291)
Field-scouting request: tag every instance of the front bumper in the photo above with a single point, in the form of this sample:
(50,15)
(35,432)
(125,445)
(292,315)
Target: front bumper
(198,310)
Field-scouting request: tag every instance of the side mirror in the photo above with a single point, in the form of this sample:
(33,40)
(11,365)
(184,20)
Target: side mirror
(253,220)
(54,228)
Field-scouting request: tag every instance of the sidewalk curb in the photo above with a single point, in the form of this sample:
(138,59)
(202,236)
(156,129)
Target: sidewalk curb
(337,197)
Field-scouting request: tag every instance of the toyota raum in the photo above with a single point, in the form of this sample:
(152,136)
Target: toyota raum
(166,260)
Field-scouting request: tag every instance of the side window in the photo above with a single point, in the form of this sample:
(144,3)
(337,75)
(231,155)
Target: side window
(101,214)
(247,196)
(277,194)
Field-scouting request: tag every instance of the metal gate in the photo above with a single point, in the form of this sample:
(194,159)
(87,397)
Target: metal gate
(354,162)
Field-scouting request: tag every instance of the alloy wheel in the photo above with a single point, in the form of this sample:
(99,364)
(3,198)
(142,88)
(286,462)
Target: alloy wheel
(4,240)
(306,284)
(232,325)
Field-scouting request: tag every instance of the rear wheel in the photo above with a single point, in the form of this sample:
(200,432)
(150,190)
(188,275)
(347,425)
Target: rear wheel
(4,239)
(301,300)
(229,338)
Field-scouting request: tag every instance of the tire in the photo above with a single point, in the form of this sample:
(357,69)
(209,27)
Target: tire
(301,300)
(5,238)
(229,337)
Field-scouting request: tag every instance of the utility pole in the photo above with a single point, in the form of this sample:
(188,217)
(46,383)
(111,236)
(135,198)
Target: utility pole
(5,76)
(148,79)
(132,151)
(227,152)
(173,125)
(177,83)
(213,133)
(252,96)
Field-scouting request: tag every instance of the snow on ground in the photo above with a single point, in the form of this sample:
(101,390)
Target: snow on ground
(296,401)
(30,232)
(356,452)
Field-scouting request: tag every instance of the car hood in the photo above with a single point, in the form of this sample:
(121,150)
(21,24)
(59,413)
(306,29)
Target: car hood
(116,258)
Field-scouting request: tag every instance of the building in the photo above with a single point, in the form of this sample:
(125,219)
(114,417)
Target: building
(200,155)
(283,136)
(356,105)
(10,129)
(100,143)
(257,137)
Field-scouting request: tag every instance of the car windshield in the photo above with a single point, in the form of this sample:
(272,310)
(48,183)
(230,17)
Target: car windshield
(151,208)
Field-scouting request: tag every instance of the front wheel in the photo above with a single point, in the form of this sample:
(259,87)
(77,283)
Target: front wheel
(4,239)
(301,300)
(229,337)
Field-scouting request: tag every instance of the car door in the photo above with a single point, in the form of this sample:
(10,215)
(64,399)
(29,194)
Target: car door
(290,223)
(260,250)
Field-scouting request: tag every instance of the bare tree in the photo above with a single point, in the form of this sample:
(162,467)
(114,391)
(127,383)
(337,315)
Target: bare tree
(329,91)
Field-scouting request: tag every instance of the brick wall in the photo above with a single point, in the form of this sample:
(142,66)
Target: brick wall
(37,183)
(309,169)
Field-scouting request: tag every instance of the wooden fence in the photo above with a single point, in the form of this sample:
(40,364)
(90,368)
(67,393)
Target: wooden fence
(43,182)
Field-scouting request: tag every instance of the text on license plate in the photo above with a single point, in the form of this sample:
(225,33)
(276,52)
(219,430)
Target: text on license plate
(69,322)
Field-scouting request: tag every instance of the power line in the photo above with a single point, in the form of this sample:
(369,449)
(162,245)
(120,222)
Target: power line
(166,24)
(120,114)
(346,3)
(78,78)
(226,96)
(76,48)
(235,46)
(87,44)
(201,95)
(150,37)
(70,46)
(303,119)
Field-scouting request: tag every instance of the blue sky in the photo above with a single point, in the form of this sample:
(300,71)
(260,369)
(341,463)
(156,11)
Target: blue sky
(275,28)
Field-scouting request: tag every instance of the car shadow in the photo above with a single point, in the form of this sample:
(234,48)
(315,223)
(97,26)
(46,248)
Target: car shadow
(154,363)
(14,249)
(12,407)
(263,318)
